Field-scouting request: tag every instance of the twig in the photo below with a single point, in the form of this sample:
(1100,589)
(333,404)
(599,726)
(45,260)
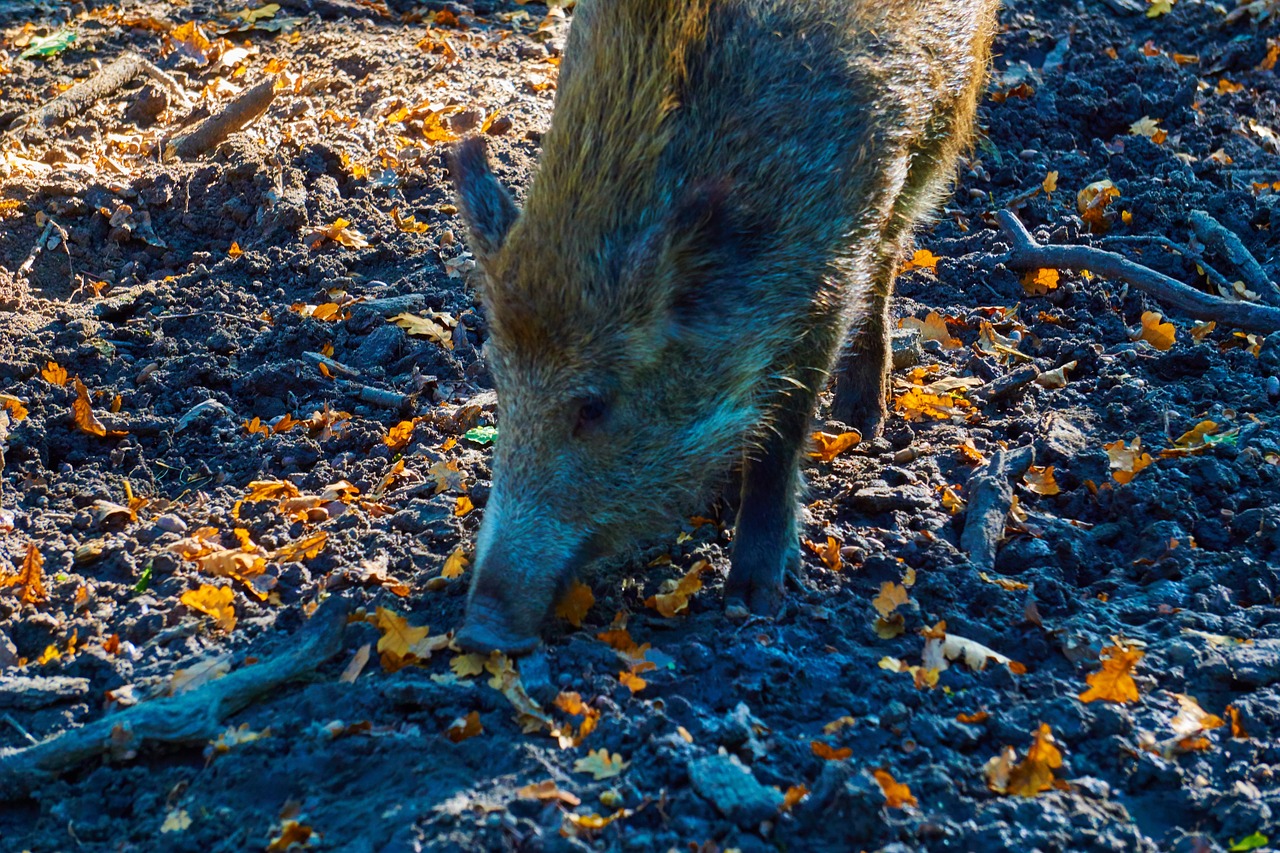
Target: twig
(8,718)
(378,396)
(195,717)
(1226,243)
(216,128)
(1005,385)
(1186,251)
(334,366)
(1028,254)
(990,495)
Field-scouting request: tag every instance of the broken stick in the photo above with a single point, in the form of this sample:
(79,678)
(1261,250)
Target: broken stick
(990,495)
(1227,244)
(216,128)
(79,97)
(189,718)
(1027,254)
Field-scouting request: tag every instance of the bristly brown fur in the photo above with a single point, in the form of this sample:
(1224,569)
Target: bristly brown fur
(724,193)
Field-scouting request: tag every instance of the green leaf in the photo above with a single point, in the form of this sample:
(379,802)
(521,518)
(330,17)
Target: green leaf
(481,435)
(145,580)
(49,45)
(1249,842)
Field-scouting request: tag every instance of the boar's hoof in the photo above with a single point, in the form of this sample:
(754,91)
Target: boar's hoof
(863,413)
(759,599)
(483,638)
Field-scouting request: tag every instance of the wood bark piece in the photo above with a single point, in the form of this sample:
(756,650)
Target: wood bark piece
(189,718)
(1027,254)
(216,128)
(1005,385)
(1225,243)
(990,494)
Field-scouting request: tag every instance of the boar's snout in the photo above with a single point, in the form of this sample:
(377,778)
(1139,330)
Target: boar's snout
(488,628)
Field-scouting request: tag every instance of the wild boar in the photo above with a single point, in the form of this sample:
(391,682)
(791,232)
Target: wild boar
(722,200)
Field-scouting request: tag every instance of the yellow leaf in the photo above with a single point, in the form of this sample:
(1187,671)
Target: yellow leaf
(54,374)
(793,796)
(827,446)
(673,602)
(339,232)
(1126,460)
(1159,335)
(85,419)
(397,438)
(462,506)
(1227,87)
(829,553)
(408,224)
(397,634)
(547,791)
(575,603)
(837,724)
(455,565)
(922,259)
(235,251)
(1039,282)
(896,794)
(827,753)
(1159,7)
(1092,203)
(213,601)
(932,328)
(1040,480)
(1114,682)
(1202,329)
(176,820)
(467,665)
(1032,775)
(916,404)
(30,578)
(438,327)
(1050,184)
(633,682)
(891,597)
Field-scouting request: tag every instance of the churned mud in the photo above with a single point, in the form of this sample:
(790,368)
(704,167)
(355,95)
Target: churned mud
(231,315)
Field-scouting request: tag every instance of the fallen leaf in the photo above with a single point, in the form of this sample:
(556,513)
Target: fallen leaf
(827,753)
(1114,681)
(398,437)
(291,833)
(632,682)
(462,506)
(916,404)
(827,446)
(792,797)
(974,718)
(199,674)
(676,599)
(837,724)
(1253,841)
(601,765)
(1032,775)
(1092,203)
(213,601)
(464,728)
(1056,378)
(467,665)
(896,794)
(437,328)
(922,259)
(892,596)
(1159,335)
(54,374)
(574,604)
(339,232)
(1050,183)
(176,820)
(1040,480)
(30,578)
(932,328)
(455,565)
(1039,282)
(828,553)
(547,790)
(357,664)
(1126,460)
(1148,127)
(85,419)
(398,637)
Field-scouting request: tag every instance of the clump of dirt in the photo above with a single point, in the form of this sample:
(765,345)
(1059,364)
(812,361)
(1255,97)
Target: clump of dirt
(271,432)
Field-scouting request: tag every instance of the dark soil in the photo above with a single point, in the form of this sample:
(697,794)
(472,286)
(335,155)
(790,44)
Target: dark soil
(148,307)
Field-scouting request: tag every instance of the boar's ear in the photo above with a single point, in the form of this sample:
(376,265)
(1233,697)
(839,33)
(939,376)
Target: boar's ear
(486,205)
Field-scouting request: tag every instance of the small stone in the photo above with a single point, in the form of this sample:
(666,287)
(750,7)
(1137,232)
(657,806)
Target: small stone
(170,523)
(730,786)
(906,349)
(880,497)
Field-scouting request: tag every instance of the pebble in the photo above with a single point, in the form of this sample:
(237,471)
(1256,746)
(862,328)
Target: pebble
(170,523)
(728,785)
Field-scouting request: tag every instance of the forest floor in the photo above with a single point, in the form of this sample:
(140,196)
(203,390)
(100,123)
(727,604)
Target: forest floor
(221,446)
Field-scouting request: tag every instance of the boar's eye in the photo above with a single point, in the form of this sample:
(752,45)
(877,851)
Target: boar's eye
(591,412)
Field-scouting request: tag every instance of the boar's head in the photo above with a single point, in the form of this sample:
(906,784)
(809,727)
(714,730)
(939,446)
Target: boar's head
(626,385)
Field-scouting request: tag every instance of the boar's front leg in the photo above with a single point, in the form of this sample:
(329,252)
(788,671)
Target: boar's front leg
(862,376)
(766,539)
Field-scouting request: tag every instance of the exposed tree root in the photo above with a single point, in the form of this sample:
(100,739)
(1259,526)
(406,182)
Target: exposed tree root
(216,128)
(990,495)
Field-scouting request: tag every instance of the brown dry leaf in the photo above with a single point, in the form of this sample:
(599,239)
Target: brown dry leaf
(1039,282)
(969,453)
(398,638)
(1056,378)
(54,374)
(1003,583)
(1092,203)
(213,601)
(676,599)
(896,794)
(974,718)
(828,553)
(464,728)
(270,490)
(571,703)
(892,596)
(1126,460)
(357,664)
(85,419)
(633,682)
(1114,682)
(574,604)
(455,565)
(467,665)
(1032,775)
(234,251)
(827,446)
(922,259)
(398,437)
(916,404)
(30,578)
(932,328)
(1192,719)
(437,327)
(306,548)
(1201,330)
(828,753)
(941,647)
(547,791)
(408,224)
(1150,128)
(1159,335)
(1227,87)
(1050,183)
(14,407)
(291,833)
(447,475)
(1040,480)
(339,232)
(792,797)
(529,714)
(838,724)
(1237,726)
(601,765)
(1193,441)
